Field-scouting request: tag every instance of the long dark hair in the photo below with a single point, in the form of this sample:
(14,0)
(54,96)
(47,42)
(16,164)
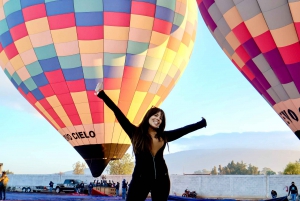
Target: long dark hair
(141,139)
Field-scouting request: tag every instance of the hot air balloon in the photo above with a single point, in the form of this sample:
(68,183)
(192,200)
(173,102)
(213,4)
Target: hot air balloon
(56,51)
(261,38)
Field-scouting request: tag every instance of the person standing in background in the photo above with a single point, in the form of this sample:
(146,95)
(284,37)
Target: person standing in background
(90,188)
(51,186)
(117,189)
(81,186)
(293,190)
(274,194)
(124,189)
(3,183)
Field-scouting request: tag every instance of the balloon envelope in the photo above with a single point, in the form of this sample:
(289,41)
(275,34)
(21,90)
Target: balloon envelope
(55,52)
(261,38)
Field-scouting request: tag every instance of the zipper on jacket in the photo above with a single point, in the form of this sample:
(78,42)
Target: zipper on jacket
(154,166)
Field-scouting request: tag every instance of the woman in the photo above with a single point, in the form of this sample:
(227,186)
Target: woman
(149,141)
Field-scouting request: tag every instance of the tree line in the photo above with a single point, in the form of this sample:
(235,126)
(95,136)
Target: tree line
(241,168)
(125,165)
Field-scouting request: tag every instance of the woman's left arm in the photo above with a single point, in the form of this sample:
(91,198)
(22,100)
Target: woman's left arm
(178,133)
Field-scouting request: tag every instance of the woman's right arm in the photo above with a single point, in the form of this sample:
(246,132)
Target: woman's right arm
(128,127)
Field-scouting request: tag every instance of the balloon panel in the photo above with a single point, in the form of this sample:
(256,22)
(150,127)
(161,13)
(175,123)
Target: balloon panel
(55,52)
(261,38)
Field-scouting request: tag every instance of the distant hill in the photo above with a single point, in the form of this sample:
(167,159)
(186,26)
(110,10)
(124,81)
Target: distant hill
(276,140)
(193,160)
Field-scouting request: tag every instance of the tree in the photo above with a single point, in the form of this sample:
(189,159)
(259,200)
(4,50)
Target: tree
(271,172)
(220,169)
(9,172)
(123,166)
(238,169)
(214,171)
(204,171)
(78,168)
(252,170)
(292,168)
(267,171)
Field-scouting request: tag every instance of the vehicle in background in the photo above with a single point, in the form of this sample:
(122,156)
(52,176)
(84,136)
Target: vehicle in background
(40,189)
(70,186)
(188,193)
(28,189)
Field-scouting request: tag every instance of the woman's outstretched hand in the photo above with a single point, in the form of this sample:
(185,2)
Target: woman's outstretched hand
(98,88)
(204,120)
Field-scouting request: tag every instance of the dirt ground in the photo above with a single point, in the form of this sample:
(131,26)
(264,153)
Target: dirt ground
(81,197)
(66,197)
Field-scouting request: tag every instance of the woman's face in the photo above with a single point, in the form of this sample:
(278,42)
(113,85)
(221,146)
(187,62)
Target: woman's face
(155,120)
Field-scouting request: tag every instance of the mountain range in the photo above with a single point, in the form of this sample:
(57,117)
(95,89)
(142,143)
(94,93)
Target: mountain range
(187,162)
(276,140)
(261,149)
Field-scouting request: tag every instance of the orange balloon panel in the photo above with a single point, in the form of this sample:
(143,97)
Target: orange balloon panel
(55,52)
(261,38)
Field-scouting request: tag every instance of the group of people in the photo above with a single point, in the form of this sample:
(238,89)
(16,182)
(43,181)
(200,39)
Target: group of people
(104,183)
(80,187)
(112,184)
(293,191)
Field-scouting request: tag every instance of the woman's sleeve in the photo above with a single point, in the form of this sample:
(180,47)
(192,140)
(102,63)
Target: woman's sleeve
(178,133)
(122,119)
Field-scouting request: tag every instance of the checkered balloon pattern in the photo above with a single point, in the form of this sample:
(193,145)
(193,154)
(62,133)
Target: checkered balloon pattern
(56,51)
(261,38)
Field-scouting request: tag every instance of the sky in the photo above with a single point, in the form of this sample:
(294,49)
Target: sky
(210,87)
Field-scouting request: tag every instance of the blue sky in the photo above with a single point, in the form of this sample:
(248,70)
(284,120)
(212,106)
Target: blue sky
(211,87)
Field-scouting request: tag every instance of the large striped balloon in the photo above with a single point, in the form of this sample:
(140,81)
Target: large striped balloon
(261,38)
(56,51)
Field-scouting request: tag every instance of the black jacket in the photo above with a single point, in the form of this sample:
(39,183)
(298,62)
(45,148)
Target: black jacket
(124,184)
(293,189)
(146,165)
(51,184)
(273,193)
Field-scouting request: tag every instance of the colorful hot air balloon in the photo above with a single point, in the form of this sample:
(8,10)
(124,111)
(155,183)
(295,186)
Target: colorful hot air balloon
(56,51)
(261,38)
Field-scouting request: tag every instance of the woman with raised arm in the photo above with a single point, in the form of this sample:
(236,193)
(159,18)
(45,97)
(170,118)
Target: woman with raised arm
(149,140)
